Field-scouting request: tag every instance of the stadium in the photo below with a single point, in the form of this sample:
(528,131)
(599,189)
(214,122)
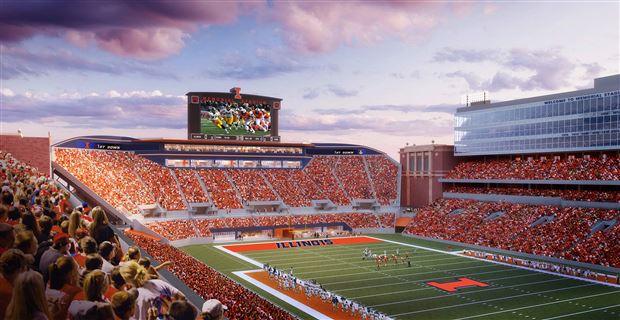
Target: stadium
(525,226)
(285,160)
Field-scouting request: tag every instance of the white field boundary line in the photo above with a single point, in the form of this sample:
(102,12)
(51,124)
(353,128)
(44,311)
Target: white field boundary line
(582,312)
(240,256)
(484,301)
(539,305)
(547,272)
(280,295)
(459,253)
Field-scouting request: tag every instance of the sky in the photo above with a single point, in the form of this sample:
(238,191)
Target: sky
(380,74)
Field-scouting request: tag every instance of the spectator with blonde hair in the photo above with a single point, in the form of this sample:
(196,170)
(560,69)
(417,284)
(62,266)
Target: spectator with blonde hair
(96,284)
(28,301)
(101,231)
(76,225)
(152,292)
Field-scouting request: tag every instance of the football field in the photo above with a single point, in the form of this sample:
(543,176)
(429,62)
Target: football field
(422,290)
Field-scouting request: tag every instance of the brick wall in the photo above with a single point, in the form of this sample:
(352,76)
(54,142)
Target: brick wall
(34,151)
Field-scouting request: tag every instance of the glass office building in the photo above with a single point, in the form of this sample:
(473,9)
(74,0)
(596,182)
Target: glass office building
(583,120)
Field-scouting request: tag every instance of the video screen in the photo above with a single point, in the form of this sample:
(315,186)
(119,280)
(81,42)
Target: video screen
(239,119)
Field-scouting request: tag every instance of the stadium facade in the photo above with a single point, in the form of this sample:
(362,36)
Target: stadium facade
(575,121)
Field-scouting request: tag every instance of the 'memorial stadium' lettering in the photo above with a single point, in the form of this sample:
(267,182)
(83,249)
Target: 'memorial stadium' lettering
(299,244)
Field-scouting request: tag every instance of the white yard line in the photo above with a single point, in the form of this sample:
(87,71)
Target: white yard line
(477,302)
(486,290)
(344,262)
(407,275)
(538,305)
(459,253)
(280,295)
(582,312)
(429,279)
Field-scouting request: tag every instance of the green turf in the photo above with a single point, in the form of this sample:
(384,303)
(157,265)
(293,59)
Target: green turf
(207,127)
(402,292)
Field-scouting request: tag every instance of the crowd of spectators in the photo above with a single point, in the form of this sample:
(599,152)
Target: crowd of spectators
(515,227)
(351,171)
(109,174)
(321,171)
(190,185)
(552,267)
(572,168)
(287,185)
(387,220)
(566,194)
(222,192)
(127,180)
(182,229)
(63,262)
(384,175)
(603,247)
(175,229)
(251,185)
(570,226)
(161,182)
(210,284)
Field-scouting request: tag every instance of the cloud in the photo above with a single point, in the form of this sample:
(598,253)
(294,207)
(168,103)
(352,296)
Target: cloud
(546,69)
(153,29)
(346,122)
(406,109)
(473,81)
(465,55)
(137,29)
(341,92)
(113,109)
(19,62)
(330,89)
(592,70)
(263,64)
(311,93)
(317,27)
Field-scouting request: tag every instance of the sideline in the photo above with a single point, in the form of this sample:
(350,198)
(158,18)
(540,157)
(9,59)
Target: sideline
(280,295)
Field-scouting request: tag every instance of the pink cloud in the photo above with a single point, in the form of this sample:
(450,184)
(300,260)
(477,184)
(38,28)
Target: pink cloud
(156,29)
(324,26)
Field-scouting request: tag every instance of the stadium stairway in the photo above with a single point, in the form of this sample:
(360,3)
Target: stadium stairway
(176,182)
(340,184)
(234,187)
(204,187)
(371,183)
(271,187)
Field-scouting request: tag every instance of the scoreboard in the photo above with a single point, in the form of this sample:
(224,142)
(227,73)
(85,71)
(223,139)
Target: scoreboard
(232,116)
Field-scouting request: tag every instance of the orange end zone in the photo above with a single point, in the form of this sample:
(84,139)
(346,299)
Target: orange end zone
(313,302)
(298,244)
